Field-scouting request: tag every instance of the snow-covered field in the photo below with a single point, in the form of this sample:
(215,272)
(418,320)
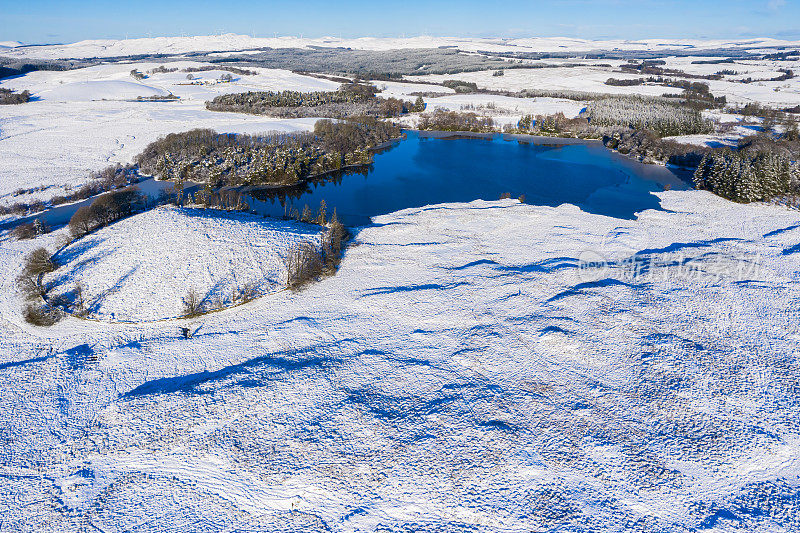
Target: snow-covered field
(57,145)
(480,367)
(140,268)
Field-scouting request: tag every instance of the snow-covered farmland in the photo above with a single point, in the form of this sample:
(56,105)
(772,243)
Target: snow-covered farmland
(204,85)
(140,268)
(592,79)
(84,120)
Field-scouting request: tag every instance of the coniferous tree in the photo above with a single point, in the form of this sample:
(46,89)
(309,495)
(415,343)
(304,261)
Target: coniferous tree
(321,214)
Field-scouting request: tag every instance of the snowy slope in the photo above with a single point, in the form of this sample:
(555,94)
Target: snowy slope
(140,268)
(462,372)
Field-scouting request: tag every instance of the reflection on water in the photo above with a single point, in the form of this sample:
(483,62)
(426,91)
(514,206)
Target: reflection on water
(422,171)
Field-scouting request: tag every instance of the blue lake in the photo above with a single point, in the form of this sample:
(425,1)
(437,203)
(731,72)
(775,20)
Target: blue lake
(423,170)
(426,169)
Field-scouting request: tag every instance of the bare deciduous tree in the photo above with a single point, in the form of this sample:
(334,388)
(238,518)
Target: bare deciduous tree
(192,303)
(303,264)
(40,315)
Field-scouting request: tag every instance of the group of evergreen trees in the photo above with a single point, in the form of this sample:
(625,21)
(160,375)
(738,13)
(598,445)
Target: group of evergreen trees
(616,82)
(270,99)
(18,66)
(352,135)
(745,177)
(460,86)
(351,99)
(281,159)
(663,117)
(206,68)
(657,67)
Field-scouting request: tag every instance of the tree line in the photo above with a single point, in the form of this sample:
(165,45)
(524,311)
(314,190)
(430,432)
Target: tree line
(205,68)
(696,94)
(29,282)
(657,67)
(110,178)
(106,209)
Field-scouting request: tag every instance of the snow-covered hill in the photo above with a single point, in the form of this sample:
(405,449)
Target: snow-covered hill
(140,268)
(233,42)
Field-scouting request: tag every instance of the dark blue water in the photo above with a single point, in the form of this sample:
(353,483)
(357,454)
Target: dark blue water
(422,170)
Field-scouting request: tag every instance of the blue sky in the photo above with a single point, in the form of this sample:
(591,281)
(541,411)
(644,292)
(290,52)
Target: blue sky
(47,21)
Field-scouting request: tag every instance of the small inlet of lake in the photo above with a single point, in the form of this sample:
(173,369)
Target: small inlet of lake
(427,169)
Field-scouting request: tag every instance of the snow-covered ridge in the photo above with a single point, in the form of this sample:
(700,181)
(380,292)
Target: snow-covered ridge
(233,42)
